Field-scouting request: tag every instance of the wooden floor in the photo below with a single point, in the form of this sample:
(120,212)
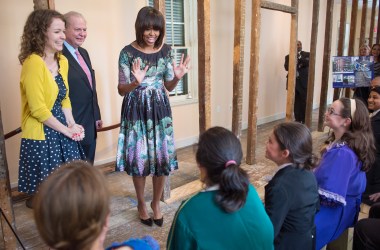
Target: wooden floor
(124,222)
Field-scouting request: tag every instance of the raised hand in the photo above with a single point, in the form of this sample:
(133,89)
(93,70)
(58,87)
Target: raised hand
(137,72)
(182,68)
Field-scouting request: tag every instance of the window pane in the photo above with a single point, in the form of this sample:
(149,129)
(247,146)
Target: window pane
(179,34)
(178,12)
(175,36)
(181,88)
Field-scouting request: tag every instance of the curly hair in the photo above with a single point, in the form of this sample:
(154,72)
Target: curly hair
(72,206)
(359,136)
(33,39)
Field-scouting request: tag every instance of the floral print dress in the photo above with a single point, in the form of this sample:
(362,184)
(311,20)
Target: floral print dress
(146,142)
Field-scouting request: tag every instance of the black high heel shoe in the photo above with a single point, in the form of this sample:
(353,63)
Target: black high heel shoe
(147,222)
(158,222)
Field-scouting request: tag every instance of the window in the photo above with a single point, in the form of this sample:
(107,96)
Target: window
(179,29)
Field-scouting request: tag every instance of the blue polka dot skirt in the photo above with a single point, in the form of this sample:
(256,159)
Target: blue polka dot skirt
(39,158)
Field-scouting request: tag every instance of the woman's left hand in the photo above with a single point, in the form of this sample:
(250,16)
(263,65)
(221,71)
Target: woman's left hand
(183,67)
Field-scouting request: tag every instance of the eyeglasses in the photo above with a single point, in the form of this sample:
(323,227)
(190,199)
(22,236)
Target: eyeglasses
(331,111)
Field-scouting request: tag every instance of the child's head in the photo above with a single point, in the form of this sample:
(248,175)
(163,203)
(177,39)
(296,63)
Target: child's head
(219,156)
(291,142)
(72,207)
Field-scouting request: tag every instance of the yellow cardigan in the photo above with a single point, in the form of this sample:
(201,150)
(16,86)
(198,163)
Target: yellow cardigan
(38,94)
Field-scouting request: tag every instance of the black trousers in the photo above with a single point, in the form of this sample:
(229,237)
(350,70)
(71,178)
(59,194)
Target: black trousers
(367,231)
(299,106)
(89,151)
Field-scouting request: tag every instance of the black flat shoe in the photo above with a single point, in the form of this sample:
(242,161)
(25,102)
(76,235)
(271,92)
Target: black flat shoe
(159,222)
(147,222)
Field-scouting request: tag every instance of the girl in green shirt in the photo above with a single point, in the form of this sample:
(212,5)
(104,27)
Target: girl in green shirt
(228,213)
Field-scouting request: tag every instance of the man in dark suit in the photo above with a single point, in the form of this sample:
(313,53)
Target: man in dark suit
(81,80)
(302,76)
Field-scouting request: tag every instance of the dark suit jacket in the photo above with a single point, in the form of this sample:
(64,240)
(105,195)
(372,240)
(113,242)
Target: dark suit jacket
(84,100)
(303,71)
(291,201)
(373,175)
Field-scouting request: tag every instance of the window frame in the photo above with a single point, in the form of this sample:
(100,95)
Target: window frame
(191,44)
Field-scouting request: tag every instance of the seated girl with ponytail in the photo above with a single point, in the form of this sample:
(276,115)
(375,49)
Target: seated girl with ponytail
(291,197)
(228,213)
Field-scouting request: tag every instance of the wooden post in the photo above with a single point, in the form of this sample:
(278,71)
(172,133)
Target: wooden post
(378,24)
(351,43)
(354,13)
(238,67)
(204,65)
(5,194)
(44,4)
(372,24)
(159,5)
(292,63)
(342,33)
(363,22)
(313,50)
(253,81)
(326,63)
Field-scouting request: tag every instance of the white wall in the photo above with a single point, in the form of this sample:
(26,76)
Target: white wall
(111,27)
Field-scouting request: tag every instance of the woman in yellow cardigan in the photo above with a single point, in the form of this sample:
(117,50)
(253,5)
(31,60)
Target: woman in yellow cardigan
(49,133)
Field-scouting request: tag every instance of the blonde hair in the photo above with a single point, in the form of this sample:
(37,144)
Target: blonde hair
(72,206)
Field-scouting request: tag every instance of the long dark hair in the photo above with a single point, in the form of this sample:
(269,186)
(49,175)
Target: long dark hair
(296,138)
(148,18)
(217,147)
(359,136)
(33,39)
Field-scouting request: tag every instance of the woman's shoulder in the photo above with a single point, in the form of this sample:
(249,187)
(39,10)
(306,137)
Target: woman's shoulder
(33,59)
(340,148)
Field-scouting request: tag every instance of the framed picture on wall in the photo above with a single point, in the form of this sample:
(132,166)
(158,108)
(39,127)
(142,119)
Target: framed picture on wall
(352,71)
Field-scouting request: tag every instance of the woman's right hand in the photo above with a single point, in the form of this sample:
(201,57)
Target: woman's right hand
(137,72)
(374,197)
(76,132)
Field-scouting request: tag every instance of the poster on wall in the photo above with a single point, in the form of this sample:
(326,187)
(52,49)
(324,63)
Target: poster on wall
(352,71)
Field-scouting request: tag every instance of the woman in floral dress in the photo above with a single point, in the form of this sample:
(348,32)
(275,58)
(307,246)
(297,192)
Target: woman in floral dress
(146,143)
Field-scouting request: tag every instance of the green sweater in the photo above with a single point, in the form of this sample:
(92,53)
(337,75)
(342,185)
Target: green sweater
(200,223)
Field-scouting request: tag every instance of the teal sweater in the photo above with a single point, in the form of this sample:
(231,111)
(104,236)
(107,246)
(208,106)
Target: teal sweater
(200,223)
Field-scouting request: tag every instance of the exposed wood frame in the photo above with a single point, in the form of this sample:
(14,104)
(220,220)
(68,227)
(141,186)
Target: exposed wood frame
(253,81)
(278,7)
(378,24)
(159,5)
(5,194)
(44,4)
(363,22)
(204,65)
(238,67)
(351,43)
(326,64)
(342,33)
(372,24)
(292,63)
(353,21)
(313,51)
